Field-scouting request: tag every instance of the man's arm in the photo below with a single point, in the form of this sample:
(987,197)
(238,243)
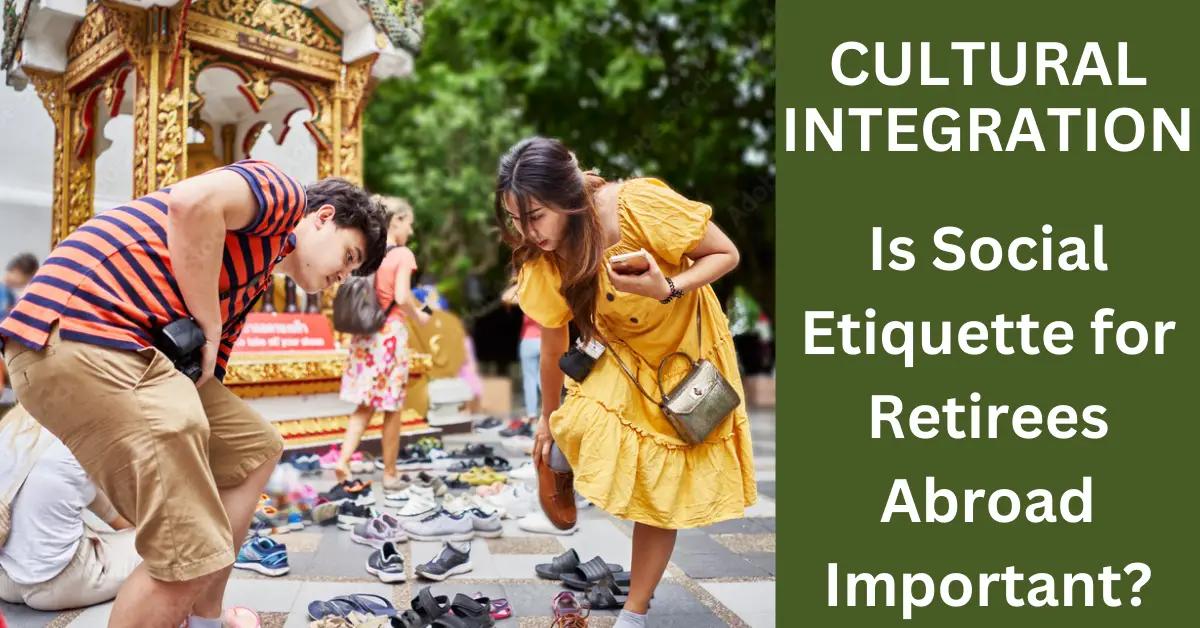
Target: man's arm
(201,210)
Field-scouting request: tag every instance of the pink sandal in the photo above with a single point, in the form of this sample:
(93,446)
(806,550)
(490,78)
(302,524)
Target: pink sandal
(241,617)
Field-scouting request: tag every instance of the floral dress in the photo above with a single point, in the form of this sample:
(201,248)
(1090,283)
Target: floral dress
(377,369)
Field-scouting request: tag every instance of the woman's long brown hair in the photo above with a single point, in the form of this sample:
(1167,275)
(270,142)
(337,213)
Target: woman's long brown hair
(543,169)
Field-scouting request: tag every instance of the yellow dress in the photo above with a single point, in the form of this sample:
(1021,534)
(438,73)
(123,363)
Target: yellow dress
(627,458)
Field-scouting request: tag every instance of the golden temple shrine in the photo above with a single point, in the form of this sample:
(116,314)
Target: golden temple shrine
(202,81)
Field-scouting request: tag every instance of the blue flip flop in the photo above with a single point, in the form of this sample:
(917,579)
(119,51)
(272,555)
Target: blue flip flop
(343,605)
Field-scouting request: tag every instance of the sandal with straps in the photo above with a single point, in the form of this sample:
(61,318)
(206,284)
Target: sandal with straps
(563,564)
(605,595)
(568,612)
(430,607)
(591,572)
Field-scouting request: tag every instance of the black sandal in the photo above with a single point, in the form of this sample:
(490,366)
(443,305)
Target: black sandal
(605,595)
(563,564)
(474,612)
(408,619)
(594,570)
(428,607)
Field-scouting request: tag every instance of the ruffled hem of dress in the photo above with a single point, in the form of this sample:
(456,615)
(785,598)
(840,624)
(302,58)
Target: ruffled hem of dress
(628,491)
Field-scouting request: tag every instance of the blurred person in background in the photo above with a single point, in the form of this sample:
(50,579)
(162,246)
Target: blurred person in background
(376,374)
(529,350)
(17,274)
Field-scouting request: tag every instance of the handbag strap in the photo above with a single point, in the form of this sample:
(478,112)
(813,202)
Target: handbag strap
(661,391)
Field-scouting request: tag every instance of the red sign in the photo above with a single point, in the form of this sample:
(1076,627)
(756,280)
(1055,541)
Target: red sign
(274,333)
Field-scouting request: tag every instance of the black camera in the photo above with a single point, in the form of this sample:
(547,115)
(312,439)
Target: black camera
(578,362)
(181,341)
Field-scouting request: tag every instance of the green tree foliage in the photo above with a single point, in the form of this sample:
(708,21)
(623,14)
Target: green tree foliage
(678,89)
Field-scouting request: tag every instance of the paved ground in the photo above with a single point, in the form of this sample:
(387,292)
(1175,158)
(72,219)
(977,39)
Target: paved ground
(722,575)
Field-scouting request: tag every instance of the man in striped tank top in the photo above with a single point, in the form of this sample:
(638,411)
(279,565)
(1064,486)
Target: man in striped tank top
(185,461)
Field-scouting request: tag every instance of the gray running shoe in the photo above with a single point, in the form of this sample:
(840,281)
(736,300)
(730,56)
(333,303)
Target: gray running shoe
(386,563)
(441,526)
(382,529)
(447,563)
(486,525)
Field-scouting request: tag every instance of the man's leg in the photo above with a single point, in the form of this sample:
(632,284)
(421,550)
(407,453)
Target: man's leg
(137,426)
(243,451)
(240,502)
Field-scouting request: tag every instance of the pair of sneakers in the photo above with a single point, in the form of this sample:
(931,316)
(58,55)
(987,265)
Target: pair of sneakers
(451,526)
(399,489)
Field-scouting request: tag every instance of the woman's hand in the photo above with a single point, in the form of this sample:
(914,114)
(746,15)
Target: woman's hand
(542,440)
(651,283)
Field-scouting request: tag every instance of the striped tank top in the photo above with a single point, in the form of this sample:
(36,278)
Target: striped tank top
(111,283)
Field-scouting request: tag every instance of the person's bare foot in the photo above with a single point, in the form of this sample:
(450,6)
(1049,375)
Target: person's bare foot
(342,471)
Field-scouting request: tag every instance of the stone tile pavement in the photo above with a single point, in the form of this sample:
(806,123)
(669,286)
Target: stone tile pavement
(723,575)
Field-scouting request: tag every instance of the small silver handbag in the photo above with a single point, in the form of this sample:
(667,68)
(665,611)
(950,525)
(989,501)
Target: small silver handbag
(698,403)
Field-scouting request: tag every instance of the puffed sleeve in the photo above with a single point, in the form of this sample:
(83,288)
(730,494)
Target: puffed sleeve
(538,294)
(665,222)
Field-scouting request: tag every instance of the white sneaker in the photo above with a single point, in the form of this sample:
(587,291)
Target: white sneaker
(418,507)
(425,492)
(518,445)
(457,504)
(524,472)
(537,522)
(514,502)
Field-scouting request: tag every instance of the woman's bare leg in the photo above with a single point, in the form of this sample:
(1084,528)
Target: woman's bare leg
(355,427)
(652,548)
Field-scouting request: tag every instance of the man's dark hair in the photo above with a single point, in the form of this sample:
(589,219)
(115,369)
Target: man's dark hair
(354,209)
(26,263)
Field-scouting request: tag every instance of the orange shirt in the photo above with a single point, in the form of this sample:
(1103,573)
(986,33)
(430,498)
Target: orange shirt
(111,282)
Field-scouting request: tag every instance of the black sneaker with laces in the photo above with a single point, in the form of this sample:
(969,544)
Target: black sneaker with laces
(448,563)
(351,514)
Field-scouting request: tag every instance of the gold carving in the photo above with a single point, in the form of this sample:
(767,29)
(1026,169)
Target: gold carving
(56,102)
(298,369)
(282,19)
(170,138)
(130,26)
(259,84)
(79,199)
(141,139)
(49,89)
(92,29)
(222,36)
(349,157)
(83,68)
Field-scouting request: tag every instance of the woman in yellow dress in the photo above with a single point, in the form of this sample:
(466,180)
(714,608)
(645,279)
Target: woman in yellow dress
(564,225)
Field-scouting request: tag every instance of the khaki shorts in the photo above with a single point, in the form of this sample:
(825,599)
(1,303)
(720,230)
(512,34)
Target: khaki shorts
(154,443)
